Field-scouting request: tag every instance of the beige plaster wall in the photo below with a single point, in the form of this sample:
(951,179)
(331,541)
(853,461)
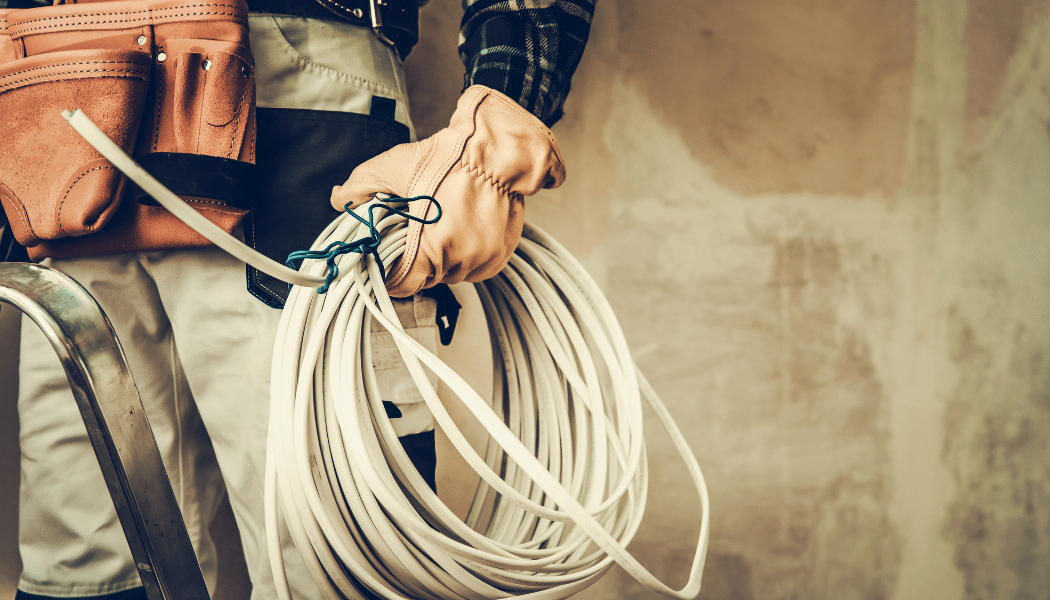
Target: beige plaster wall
(825,225)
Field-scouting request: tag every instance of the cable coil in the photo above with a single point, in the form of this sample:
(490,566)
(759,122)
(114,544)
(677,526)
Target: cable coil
(564,476)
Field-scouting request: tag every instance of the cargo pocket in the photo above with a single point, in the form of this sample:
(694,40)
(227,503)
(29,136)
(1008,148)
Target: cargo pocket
(53,184)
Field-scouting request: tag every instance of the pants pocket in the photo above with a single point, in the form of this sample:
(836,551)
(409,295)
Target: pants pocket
(53,184)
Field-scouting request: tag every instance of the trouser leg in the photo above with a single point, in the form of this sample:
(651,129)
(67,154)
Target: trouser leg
(173,310)
(70,539)
(225,337)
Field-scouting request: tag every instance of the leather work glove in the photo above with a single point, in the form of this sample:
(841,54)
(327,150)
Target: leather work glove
(479,168)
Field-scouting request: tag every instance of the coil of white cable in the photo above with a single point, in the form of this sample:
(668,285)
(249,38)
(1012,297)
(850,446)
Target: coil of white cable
(564,477)
(563,480)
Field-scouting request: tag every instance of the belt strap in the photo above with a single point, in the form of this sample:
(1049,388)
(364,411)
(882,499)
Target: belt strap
(395,22)
(200,176)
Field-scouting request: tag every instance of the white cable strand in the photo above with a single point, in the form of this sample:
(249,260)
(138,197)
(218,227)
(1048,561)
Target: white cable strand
(564,477)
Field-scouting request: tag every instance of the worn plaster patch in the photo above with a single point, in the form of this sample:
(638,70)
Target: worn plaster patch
(994,31)
(997,424)
(777,96)
(752,312)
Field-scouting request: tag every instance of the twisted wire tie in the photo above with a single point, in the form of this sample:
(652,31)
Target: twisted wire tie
(369,245)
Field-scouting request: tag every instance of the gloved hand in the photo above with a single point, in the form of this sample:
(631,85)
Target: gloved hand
(479,168)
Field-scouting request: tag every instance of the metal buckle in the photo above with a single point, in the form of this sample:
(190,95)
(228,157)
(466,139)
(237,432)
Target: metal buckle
(377,21)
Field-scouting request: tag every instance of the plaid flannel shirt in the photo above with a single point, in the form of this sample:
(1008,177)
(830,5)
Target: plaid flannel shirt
(527,49)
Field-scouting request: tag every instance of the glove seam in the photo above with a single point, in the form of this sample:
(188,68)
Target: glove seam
(460,147)
(421,166)
(527,118)
(430,188)
(492,180)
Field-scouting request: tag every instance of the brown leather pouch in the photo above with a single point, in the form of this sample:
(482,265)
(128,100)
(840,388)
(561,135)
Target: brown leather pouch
(52,183)
(178,79)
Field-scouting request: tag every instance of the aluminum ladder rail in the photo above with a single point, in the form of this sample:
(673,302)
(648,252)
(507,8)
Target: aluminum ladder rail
(116,424)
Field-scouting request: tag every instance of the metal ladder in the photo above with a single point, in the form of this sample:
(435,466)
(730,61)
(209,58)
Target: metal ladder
(116,424)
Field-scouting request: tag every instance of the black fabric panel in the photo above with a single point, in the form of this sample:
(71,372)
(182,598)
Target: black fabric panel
(420,448)
(200,176)
(137,593)
(10,249)
(447,310)
(24,3)
(383,108)
(301,155)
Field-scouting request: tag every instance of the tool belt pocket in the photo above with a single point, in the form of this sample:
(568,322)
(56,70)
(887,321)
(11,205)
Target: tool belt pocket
(170,81)
(53,184)
(206,97)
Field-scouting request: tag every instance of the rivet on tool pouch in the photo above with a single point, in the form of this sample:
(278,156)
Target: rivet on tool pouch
(198,102)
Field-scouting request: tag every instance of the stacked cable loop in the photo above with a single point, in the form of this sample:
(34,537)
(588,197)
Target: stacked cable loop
(563,479)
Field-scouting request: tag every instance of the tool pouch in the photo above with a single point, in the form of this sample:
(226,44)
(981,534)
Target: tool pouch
(170,81)
(52,184)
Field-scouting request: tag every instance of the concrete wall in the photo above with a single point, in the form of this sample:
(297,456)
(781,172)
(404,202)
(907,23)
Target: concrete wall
(825,225)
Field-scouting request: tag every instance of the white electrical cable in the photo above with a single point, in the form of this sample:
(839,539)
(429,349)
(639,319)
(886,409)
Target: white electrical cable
(564,477)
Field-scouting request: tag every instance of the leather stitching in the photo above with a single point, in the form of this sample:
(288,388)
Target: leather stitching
(415,228)
(527,117)
(61,204)
(242,115)
(160,104)
(73,64)
(251,155)
(27,80)
(421,166)
(7,194)
(254,132)
(416,231)
(459,148)
(128,12)
(215,202)
(144,15)
(200,113)
(503,188)
(20,31)
(259,281)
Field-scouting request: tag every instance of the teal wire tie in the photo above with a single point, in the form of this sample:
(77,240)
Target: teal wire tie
(369,245)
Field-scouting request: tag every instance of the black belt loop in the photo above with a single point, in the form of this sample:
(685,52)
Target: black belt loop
(395,22)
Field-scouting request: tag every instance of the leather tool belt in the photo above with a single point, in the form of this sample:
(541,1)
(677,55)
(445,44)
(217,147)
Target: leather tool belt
(170,81)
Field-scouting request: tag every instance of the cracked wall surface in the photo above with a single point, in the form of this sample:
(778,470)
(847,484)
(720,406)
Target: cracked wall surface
(825,226)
